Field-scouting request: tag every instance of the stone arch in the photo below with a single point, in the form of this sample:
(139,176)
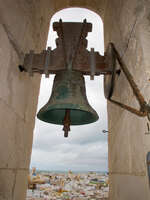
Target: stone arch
(86,7)
(95,6)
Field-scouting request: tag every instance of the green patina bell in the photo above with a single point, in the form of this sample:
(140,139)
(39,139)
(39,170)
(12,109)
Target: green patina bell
(68,104)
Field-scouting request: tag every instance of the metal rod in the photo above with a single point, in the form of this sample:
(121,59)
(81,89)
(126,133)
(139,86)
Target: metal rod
(92,63)
(66,123)
(144,107)
(130,109)
(47,61)
(129,77)
(30,63)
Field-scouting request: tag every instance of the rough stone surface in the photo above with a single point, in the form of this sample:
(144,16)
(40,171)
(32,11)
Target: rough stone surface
(124,190)
(97,6)
(126,25)
(7,184)
(21,29)
(24,26)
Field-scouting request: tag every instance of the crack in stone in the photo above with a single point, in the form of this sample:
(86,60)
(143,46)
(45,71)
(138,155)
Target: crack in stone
(12,109)
(13,42)
(130,36)
(13,188)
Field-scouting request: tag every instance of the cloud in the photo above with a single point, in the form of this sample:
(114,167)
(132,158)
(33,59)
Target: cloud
(75,157)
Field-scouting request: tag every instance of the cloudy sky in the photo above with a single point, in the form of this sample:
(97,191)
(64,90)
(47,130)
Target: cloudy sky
(86,147)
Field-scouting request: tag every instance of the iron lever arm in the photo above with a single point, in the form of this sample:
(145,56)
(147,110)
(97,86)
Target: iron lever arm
(129,108)
(144,107)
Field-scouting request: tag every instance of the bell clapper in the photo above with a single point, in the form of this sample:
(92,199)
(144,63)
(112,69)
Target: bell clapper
(66,123)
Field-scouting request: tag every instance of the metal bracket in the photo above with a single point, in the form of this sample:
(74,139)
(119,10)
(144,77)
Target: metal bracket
(109,87)
(92,63)
(30,63)
(47,61)
(109,81)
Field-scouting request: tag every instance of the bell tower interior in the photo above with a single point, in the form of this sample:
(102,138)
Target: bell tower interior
(24,26)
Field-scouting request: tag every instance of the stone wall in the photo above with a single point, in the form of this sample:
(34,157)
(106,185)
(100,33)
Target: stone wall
(97,6)
(21,28)
(24,26)
(127,25)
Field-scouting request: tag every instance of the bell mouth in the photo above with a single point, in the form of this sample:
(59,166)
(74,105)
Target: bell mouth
(77,116)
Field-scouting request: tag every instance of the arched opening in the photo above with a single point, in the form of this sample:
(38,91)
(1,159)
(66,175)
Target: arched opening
(86,148)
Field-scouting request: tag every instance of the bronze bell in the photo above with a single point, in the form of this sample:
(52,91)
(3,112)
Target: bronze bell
(68,104)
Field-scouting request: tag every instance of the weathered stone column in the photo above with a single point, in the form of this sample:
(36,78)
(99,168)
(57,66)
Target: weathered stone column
(23,26)
(127,25)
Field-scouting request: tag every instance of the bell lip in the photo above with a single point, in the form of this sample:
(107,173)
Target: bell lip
(40,117)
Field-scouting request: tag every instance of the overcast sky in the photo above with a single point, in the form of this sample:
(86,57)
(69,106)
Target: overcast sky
(86,147)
